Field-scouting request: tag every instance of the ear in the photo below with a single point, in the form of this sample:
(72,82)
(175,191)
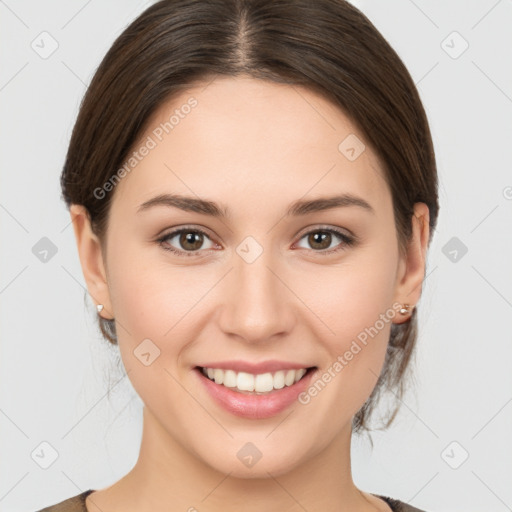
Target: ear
(412,265)
(91,259)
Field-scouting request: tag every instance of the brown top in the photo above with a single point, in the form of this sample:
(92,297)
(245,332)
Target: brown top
(77,504)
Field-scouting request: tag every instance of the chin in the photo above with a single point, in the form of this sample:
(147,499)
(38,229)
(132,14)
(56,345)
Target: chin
(247,461)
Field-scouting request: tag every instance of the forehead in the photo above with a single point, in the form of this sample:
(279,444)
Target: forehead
(239,138)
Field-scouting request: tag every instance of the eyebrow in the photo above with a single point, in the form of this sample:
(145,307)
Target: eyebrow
(300,207)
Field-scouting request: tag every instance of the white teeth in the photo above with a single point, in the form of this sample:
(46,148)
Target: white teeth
(245,381)
(299,374)
(218,375)
(279,379)
(261,383)
(229,378)
(264,382)
(289,378)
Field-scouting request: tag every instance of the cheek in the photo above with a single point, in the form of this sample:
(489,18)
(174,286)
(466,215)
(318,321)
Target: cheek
(350,297)
(159,312)
(151,305)
(151,297)
(355,304)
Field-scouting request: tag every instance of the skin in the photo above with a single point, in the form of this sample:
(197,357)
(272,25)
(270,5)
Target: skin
(249,143)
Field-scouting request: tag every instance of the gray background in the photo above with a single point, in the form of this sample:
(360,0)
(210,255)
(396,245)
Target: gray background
(59,381)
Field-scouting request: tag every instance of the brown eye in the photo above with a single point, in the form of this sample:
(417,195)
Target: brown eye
(189,241)
(321,240)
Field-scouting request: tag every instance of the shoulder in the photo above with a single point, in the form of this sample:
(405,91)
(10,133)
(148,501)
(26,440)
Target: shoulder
(74,504)
(399,506)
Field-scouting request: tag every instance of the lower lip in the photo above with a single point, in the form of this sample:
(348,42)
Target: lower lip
(254,406)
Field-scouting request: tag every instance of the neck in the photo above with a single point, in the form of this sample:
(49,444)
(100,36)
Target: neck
(166,477)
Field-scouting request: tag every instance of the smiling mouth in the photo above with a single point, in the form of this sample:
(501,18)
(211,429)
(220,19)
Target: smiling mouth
(255,384)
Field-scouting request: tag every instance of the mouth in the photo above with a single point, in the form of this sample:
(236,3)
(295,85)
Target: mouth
(255,384)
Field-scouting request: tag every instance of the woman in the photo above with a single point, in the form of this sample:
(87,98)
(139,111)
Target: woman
(253,191)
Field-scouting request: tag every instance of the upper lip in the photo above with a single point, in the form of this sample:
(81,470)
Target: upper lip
(255,368)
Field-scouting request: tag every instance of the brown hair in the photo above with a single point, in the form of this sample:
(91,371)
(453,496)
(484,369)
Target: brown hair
(327,45)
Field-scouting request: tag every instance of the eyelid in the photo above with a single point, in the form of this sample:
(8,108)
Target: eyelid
(177,229)
(325,227)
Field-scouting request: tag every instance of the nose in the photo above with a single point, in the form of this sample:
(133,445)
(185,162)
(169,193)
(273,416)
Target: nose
(258,306)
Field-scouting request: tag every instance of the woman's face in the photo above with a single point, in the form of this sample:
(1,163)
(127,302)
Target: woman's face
(255,277)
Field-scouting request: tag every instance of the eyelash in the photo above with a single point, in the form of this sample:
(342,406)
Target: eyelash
(347,241)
